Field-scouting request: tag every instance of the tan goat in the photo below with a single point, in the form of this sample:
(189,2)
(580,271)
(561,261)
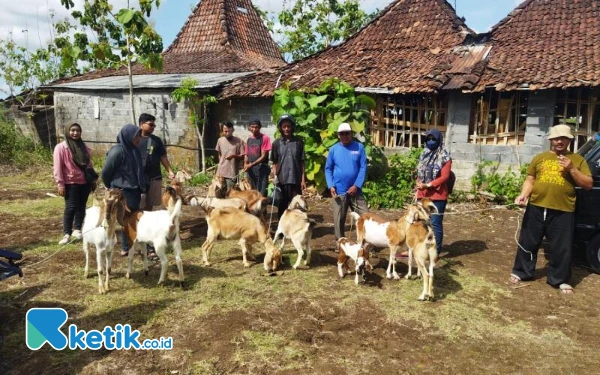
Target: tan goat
(295,225)
(256,203)
(422,246)
(232,223)
(380,232)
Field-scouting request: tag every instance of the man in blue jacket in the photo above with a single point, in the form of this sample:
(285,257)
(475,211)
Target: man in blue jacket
(345,171)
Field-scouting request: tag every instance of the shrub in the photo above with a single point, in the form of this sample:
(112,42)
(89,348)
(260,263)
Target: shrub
(505,187)
(18,150)
(396,187)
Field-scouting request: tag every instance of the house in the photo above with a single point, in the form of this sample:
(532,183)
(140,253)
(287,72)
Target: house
(494,95)
(220,41)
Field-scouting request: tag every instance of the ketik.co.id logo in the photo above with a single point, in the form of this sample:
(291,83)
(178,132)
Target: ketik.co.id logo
(43,326)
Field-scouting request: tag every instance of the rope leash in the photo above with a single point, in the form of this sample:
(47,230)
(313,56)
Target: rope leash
(60,249)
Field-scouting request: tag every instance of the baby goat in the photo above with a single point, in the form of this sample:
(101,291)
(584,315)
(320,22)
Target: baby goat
(99,230)
(358,253)
(380,232)
(159,228)
(295,224)
(232,223)
(256,203)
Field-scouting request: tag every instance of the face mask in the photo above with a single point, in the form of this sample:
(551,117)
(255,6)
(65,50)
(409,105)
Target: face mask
(432,144)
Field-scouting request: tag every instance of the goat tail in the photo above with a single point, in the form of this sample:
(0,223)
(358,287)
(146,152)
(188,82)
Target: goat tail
(355,216)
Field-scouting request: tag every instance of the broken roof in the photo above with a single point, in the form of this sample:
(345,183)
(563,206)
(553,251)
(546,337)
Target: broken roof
(220,36)
(545,44)
(405,49)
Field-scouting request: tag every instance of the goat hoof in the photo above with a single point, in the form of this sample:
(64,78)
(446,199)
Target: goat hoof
(146,272)
(85,275)
(246,265)
(127,275)
(207,264)
(182,284)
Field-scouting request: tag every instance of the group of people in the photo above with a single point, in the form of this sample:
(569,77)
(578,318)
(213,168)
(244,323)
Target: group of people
(133,165)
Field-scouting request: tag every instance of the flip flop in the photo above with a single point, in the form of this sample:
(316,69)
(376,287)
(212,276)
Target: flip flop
(514,279)
(124,253)
(153,257)
(565,288)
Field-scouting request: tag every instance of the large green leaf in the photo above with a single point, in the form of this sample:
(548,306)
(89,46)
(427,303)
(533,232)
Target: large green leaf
(314,101)
(366,100)
(125,15)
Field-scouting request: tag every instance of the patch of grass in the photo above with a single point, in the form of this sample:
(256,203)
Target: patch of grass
(206,367)
(33,180)
(268,351)
(34,208)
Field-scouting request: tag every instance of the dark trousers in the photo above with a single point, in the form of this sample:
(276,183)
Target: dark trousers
(437,224)
(557,227)
(76,197)
(284,194)
(340,208)
(133,198)
(259,178)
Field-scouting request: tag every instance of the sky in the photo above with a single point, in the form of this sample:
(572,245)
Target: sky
(33,16)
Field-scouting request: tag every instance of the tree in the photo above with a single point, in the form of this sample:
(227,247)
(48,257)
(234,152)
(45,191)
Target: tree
(198,106)
(312,25)
(126,32)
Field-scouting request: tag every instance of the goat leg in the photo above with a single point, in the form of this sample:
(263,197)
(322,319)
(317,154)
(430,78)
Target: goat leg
(160,252)
(177,250)
(99,253)
(308,252)
(130,261)
(244,252)
(298,246)
(86,250)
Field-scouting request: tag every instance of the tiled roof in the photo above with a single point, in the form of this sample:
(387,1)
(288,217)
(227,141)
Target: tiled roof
(220,36)
(544,44)
(405,49)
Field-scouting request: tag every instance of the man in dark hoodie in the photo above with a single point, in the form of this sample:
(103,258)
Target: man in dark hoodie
(124,170)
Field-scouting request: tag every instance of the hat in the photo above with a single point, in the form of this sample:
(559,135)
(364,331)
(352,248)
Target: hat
(286,117)
(560,131)
(344,127)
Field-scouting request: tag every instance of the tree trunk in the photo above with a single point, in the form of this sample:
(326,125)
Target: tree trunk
(130,87)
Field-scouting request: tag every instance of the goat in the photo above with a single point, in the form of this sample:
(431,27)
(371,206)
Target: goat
(358,253)
(216,187)
(177,186)
(159,228)
(232,223)
(421,244)
(244,184)
(99,230)
(255,201)
(295,224)
(212,202)
(380,232)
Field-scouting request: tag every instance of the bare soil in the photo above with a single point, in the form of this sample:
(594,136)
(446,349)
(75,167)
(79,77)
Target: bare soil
(329,337)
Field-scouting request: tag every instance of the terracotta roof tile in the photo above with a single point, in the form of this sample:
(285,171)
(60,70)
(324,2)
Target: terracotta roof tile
(220,36)
(546,44)
(405,49)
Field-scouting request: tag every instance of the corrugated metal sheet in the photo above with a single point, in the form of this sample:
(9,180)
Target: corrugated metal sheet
(151,81)
(468,58)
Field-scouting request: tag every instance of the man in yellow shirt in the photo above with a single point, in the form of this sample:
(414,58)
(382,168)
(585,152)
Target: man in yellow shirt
(550,188)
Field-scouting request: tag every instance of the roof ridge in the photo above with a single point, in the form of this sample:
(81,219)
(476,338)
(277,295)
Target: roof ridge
(513,14)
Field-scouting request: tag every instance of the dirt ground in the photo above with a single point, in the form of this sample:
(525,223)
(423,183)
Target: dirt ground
(318,332)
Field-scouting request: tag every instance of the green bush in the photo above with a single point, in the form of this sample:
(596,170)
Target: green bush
(18,150)
(396,187)
(505,187)
(200,179)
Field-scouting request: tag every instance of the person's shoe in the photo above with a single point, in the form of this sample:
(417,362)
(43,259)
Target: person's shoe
(64,240)
(76,234)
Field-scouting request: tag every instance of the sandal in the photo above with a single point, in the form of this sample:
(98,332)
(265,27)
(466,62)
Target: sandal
(124,253)
(565,288)
(153,257)
(514,279)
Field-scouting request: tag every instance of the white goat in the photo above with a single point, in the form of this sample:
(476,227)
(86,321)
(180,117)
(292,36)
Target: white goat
(358,253)
(159,228)
(99,230)
(295,225)
(380,232)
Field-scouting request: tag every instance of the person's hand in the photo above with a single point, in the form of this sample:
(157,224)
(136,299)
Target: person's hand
(230,157)
(521,200)
(275,180)
(303,185)
(352,191)
(171,175)
(61,191)
(421,186)
(565,163)
(246,166)
(333,192)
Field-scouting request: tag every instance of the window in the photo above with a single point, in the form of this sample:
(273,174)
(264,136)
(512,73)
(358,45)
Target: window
(500,118)
(403,120)
(579,107)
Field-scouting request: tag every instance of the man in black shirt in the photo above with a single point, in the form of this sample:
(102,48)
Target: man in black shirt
(288,158)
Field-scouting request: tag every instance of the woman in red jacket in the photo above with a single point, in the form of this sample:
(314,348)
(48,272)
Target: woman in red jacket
(433,175)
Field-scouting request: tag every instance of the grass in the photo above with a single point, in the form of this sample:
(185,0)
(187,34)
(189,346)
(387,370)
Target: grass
(231,319)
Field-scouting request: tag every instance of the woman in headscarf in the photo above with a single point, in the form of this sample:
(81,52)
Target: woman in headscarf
(124,170)
(71,158)
(433,175)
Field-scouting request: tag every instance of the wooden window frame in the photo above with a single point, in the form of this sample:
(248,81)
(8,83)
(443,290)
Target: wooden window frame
(506,114)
